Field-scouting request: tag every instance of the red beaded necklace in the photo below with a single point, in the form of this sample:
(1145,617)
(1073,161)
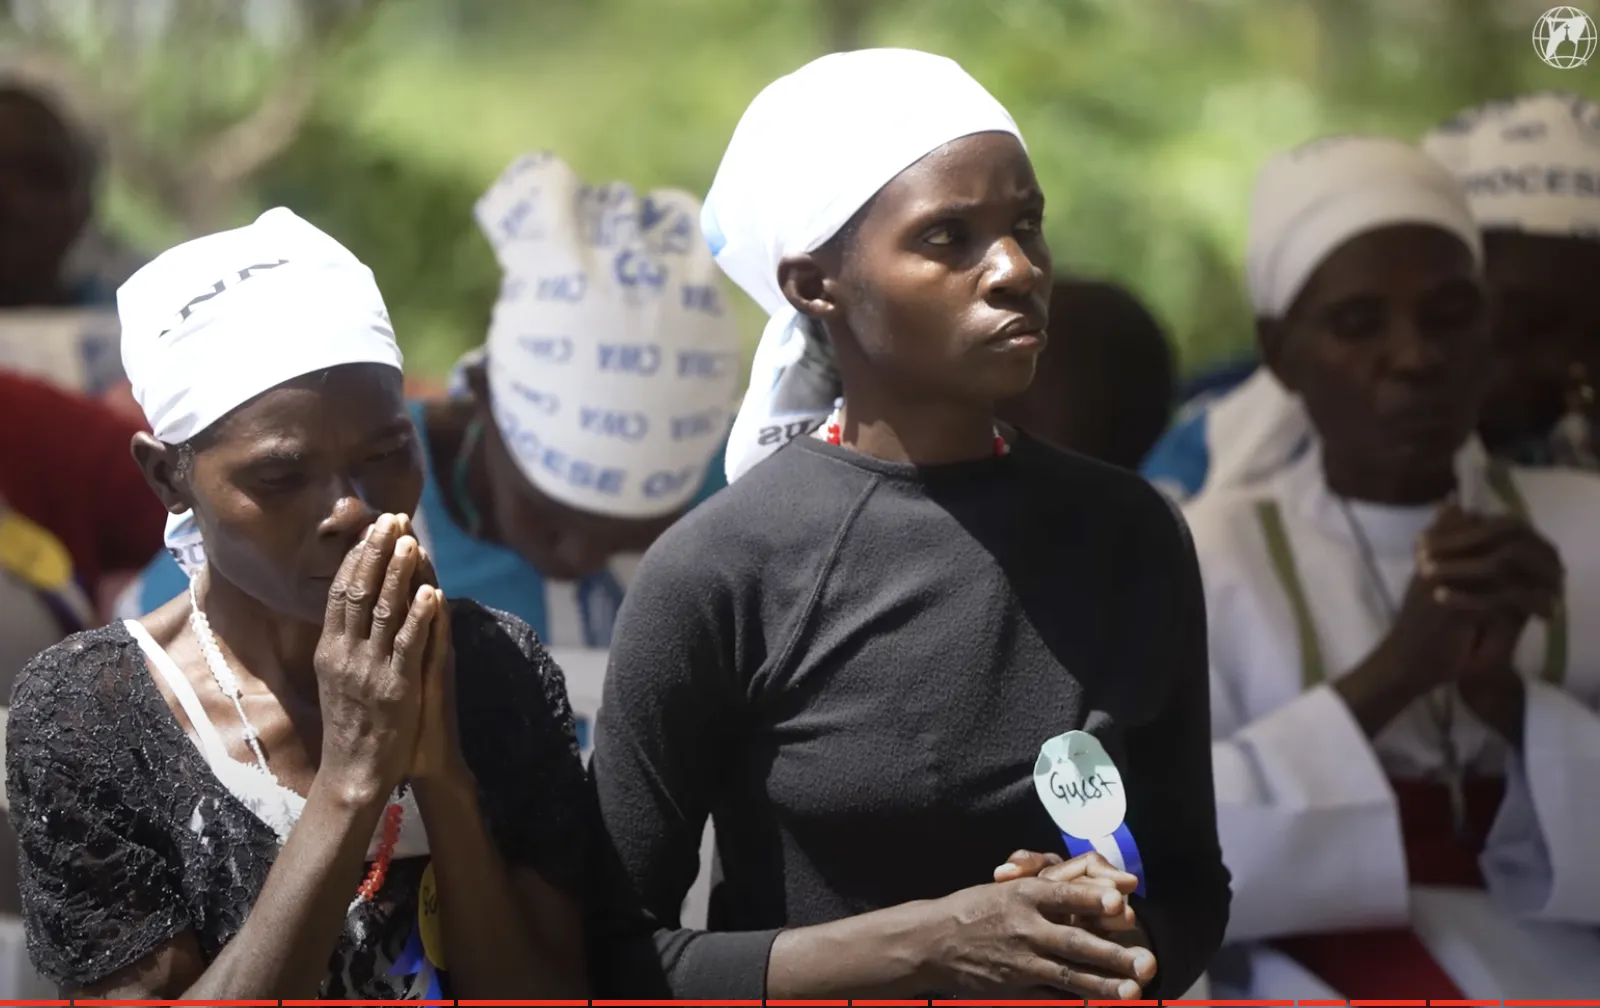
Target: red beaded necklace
(832,435)
(393,816)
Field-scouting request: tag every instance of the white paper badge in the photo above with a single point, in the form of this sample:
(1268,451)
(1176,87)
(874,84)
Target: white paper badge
(1080,786)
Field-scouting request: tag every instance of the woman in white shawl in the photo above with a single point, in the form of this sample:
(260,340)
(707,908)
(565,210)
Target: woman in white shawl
(1406,727)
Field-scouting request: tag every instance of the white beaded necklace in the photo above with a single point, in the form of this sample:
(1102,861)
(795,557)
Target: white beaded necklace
(222,674)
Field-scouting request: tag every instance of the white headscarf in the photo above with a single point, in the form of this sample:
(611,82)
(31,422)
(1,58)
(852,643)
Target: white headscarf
(1528,164)
(879,112)
(214,322)
(1308,202)
(613,359)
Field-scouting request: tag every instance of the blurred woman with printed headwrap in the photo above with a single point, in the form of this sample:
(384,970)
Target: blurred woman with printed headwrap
(898,649)
(1531,168)
(593,417)
(276,785)
(1405,717)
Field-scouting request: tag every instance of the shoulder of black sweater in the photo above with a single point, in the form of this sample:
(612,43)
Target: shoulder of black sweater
(776,509)
(1114,496)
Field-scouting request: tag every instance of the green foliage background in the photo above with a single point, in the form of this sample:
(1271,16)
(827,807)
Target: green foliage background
(1147,118)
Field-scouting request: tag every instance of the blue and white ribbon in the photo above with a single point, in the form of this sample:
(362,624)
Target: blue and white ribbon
(1118,848)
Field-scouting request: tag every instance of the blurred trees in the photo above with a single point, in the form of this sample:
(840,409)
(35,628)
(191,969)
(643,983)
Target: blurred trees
(383,120)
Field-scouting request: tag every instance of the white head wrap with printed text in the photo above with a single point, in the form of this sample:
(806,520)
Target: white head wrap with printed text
(613,359)
(211,324)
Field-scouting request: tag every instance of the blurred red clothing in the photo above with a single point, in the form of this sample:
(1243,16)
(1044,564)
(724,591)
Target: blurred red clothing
(65,464)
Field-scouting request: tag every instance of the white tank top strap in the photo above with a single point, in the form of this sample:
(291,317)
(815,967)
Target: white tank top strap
(163,665)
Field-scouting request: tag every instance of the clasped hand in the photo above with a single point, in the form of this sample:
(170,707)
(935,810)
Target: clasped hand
(385,668)
(1479,579)
(1048,926)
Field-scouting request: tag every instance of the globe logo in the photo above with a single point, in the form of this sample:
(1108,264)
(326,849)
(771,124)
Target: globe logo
(1564,37)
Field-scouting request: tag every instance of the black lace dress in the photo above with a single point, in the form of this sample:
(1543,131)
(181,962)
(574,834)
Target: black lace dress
(128,839)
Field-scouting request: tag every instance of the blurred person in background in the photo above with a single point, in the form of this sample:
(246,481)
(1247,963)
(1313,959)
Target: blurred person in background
(865,656)
(277,786)
(73,509)
(1104,385)
(56,292)
(1406,721)
(592,419)
(47,180)
(40,603)
(64,465)
(1531,168)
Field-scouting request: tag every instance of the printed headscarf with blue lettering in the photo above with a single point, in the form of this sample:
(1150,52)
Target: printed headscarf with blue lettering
(886,109)
(1530,163)
(613,358)
(212,323)
(1309,201)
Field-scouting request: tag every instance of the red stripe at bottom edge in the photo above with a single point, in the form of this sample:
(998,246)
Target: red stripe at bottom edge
(1369,1003)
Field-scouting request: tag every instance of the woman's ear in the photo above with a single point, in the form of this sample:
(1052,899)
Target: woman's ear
(160,465)
(808,286)
(1271,337)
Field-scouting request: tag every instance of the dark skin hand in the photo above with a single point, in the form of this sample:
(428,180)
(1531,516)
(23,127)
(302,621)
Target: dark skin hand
(1479,580)
(1001,938)
(503,942)
(935,299)
(369,669)
(286,490)
(1502,572)
(1122,928)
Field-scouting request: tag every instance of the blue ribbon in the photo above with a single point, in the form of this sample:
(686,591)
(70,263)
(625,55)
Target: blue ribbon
(413,960)
(1132,860)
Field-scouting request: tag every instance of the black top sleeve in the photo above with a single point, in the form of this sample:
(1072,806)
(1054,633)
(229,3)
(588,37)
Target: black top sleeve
(98,893)
(518,735)
(661,739)
(103,784)
(1171,757)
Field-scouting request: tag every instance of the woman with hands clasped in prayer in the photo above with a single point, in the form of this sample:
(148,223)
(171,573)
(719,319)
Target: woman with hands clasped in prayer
(881,656)
(1405,691)
(277,786)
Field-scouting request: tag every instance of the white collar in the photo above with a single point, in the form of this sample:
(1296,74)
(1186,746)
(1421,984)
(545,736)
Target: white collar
(1391,529)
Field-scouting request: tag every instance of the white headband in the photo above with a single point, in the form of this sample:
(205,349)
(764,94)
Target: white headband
(1307,203)
(1528,164)
(613,359)
(869,115)
(1311,200)
(212,323)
